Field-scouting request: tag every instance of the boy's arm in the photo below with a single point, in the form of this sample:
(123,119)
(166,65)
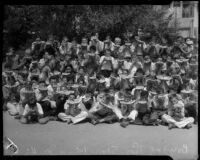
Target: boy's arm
(66,108)
(26,111)
(39,110)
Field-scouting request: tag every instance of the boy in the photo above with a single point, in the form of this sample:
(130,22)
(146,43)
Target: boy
(158,104)
(75,110)
(103,109)
(11,96)
(125,110)
(176,116)
(43,100)
(92,61)
(142,106)
(33,113)
(107,63)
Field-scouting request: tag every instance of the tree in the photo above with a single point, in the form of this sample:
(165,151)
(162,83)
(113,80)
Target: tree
(20,21)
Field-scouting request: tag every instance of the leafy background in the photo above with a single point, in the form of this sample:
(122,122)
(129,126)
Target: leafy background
(22,23)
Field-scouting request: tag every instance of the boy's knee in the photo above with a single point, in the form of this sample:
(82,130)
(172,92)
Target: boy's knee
(61,115)
(13,113)
(23,121)
(191,119)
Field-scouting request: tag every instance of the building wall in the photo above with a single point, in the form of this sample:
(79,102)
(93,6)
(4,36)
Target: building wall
(187,27)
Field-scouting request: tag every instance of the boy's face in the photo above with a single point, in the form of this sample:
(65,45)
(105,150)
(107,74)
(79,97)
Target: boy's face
(117,42)
(70,82)
(68,70)
(65,40)
(34,83)
(81,82)
(20,78)
(84,41)
(81,71)
(11,50)
(67,57)
(12,82)
(53,81)
(169,58)
(64,80)
(125,72)
(34,70)
(41,84)
(71,97)
(174,100)
(107,53)
(139,74)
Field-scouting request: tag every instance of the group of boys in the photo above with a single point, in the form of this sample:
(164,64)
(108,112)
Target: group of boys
(140,82)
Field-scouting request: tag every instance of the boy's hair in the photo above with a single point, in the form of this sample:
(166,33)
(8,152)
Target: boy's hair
(74,39)
(172,96)
(93,48)
(72,69)
(42,81)
(140,70)
(53,77)
(34,78)
(11,78)
(32,101)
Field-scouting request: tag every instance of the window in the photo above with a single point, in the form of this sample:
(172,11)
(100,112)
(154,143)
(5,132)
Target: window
(188,9)
(177,4)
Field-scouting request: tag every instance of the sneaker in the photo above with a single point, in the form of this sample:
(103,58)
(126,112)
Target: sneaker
(94,122)
(69,121)
(131,121)
(188,126)
(52,118)
(170,126)
(124,124)
(17,117)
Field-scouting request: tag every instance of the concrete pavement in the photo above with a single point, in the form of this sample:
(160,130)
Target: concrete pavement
(58,138)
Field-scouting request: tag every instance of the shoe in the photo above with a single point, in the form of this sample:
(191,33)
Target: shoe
(17,117)
(94,122)
(124,124)
(69,121)
(170,126)
(188,126)
(131,121)
(51,118)
(110,122)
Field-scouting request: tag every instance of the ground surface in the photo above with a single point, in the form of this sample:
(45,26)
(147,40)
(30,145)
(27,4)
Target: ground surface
(85,139)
